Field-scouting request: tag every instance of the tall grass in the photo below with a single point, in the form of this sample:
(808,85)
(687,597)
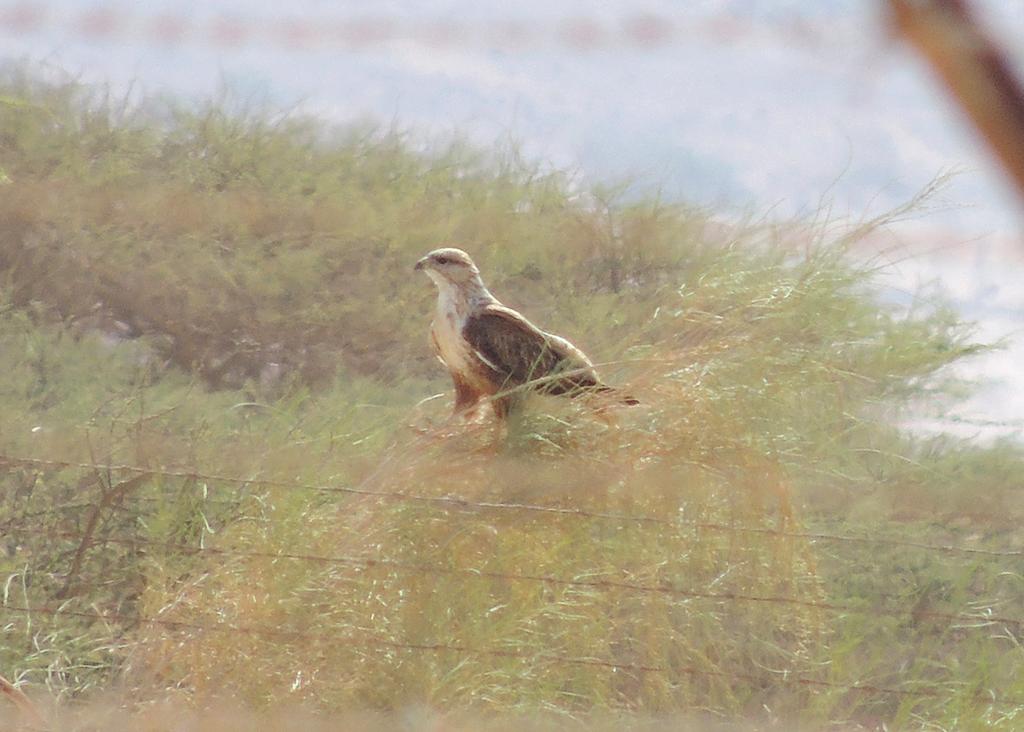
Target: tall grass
(219,291)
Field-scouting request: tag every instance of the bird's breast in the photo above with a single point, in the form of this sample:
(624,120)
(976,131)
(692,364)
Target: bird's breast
(454,350)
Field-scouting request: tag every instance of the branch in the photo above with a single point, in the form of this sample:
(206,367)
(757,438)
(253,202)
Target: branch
(974,70)
(23,703)
(106,499)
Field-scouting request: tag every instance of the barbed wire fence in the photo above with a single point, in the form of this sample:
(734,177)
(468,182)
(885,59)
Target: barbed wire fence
(783,677)
(983,619)
(460,503)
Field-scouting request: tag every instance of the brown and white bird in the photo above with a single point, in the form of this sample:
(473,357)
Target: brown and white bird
(490,349)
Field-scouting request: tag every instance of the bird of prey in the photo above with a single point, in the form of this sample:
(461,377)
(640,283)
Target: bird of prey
(490,349)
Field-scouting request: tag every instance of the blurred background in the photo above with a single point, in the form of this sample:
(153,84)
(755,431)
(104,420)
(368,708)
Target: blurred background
(759,108)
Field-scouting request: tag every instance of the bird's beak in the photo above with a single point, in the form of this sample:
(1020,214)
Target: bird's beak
(422,264)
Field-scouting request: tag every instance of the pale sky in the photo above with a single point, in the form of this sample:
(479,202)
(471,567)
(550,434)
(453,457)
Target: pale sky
(748,105)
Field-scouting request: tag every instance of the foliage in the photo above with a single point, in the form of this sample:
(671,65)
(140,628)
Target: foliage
(222,298)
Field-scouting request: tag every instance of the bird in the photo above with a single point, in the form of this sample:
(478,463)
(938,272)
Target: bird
(494,352)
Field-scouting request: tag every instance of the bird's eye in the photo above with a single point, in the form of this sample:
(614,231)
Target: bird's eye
(442,260)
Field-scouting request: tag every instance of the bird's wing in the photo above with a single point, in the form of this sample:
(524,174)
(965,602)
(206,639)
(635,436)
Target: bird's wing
(516,351)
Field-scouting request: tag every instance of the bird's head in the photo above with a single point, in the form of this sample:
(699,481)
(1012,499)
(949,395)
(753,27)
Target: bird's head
(449,267)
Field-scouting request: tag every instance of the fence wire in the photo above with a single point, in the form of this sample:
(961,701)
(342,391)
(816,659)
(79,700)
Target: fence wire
(979,620)
(459,503)
(783,677)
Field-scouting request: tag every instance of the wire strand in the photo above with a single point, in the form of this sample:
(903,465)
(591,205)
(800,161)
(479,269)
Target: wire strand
(454,502)
(783,677)
(982,620)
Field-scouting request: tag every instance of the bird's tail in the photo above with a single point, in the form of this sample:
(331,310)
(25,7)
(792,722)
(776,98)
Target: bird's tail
(626,399)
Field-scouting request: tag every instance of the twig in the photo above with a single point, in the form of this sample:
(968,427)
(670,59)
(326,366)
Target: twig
(23,703)
(974,70)
(109,496)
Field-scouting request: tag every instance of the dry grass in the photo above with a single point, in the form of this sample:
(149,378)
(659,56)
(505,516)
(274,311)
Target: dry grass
(156,265)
